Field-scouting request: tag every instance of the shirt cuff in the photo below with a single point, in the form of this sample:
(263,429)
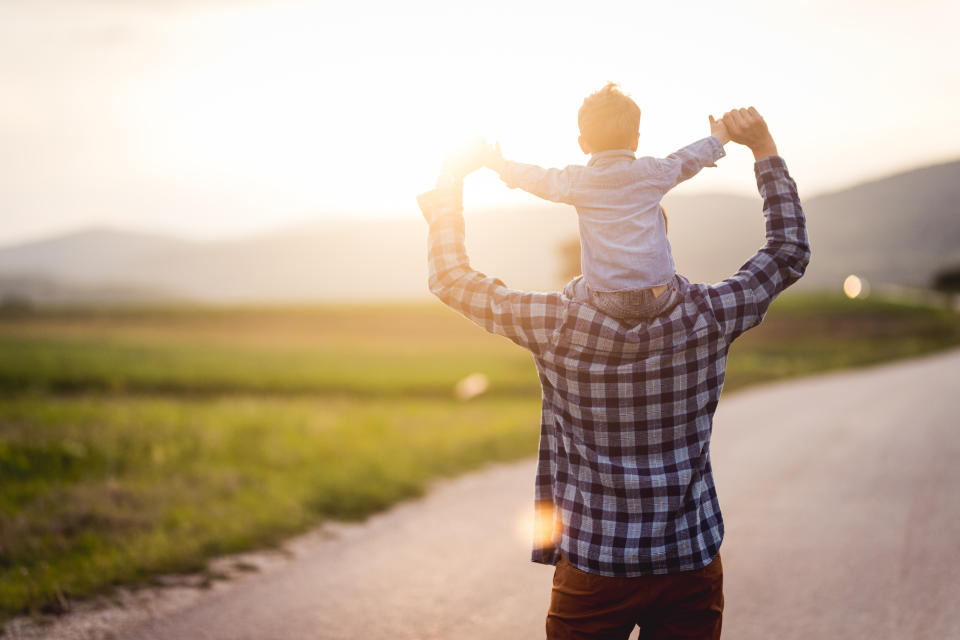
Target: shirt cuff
(441,203)
(770,164)
(716,149)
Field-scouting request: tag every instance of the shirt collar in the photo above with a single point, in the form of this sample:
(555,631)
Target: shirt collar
(611,154)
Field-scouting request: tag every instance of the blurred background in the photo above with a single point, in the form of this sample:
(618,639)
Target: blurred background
(249,151)
(214,323)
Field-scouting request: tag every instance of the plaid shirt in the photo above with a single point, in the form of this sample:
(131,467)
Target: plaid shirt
(624,485)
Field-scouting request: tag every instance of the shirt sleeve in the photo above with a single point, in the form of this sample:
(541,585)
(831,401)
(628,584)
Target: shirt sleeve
(550,184)
(741,301)
(687,162)
(528,319)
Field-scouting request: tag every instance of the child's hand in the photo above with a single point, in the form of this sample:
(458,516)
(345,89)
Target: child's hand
(719,130)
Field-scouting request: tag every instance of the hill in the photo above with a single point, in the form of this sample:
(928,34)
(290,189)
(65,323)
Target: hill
(897,230)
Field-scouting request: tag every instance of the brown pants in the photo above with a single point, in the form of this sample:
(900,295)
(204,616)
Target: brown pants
(682,605)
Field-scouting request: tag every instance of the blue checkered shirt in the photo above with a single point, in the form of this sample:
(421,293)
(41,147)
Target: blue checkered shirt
(624,485)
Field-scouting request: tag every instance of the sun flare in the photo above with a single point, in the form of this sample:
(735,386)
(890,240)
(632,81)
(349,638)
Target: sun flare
(275,112)
(217,119)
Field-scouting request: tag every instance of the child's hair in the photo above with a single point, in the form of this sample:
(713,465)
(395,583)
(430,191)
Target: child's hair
(609,119)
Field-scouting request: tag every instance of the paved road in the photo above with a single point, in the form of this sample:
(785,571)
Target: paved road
(841,496)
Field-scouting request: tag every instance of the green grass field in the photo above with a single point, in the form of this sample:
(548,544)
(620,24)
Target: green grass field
(137,442)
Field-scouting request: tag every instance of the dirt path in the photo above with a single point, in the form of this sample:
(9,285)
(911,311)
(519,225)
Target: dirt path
(841,496)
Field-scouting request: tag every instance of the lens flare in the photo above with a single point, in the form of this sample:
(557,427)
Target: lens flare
(852,286)
(543,523)
(472,386)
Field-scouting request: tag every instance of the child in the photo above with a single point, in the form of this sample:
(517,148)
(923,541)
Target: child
(625,256)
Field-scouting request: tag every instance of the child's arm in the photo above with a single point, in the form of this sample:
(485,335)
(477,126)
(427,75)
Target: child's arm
(688,161)
(550,184)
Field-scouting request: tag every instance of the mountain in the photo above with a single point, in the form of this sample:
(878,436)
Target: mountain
(331,260)
(899,229)
(896,230)
(85,255)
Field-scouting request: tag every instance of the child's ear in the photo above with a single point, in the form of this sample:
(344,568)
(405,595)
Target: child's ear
(583,145)
(636,143)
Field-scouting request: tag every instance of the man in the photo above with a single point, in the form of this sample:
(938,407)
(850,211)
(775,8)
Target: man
(626,505)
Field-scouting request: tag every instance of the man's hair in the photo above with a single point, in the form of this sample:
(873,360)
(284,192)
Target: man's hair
(609,119)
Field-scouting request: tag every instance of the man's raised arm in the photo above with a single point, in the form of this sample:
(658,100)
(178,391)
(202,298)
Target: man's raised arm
(527,319)
(741,301)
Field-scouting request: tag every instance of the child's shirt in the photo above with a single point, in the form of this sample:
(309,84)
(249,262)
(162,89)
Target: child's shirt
(623,236)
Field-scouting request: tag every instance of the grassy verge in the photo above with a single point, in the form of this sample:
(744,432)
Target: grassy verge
(138,442)
(804,334)
(100,490)
(368,352)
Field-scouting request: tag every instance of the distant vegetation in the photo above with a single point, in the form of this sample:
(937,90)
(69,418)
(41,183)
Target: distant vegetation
(140,441)
(947,280)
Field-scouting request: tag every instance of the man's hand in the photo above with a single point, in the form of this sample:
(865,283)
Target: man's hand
(747,127)
(466,158)
(719,130)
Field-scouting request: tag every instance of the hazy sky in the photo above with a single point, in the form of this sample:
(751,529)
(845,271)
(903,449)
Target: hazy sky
(210,118)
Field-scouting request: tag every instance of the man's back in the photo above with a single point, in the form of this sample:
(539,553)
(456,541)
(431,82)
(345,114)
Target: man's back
(625,436)
(627,410)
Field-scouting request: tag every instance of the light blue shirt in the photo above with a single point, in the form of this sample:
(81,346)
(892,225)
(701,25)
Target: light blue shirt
(623,237)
